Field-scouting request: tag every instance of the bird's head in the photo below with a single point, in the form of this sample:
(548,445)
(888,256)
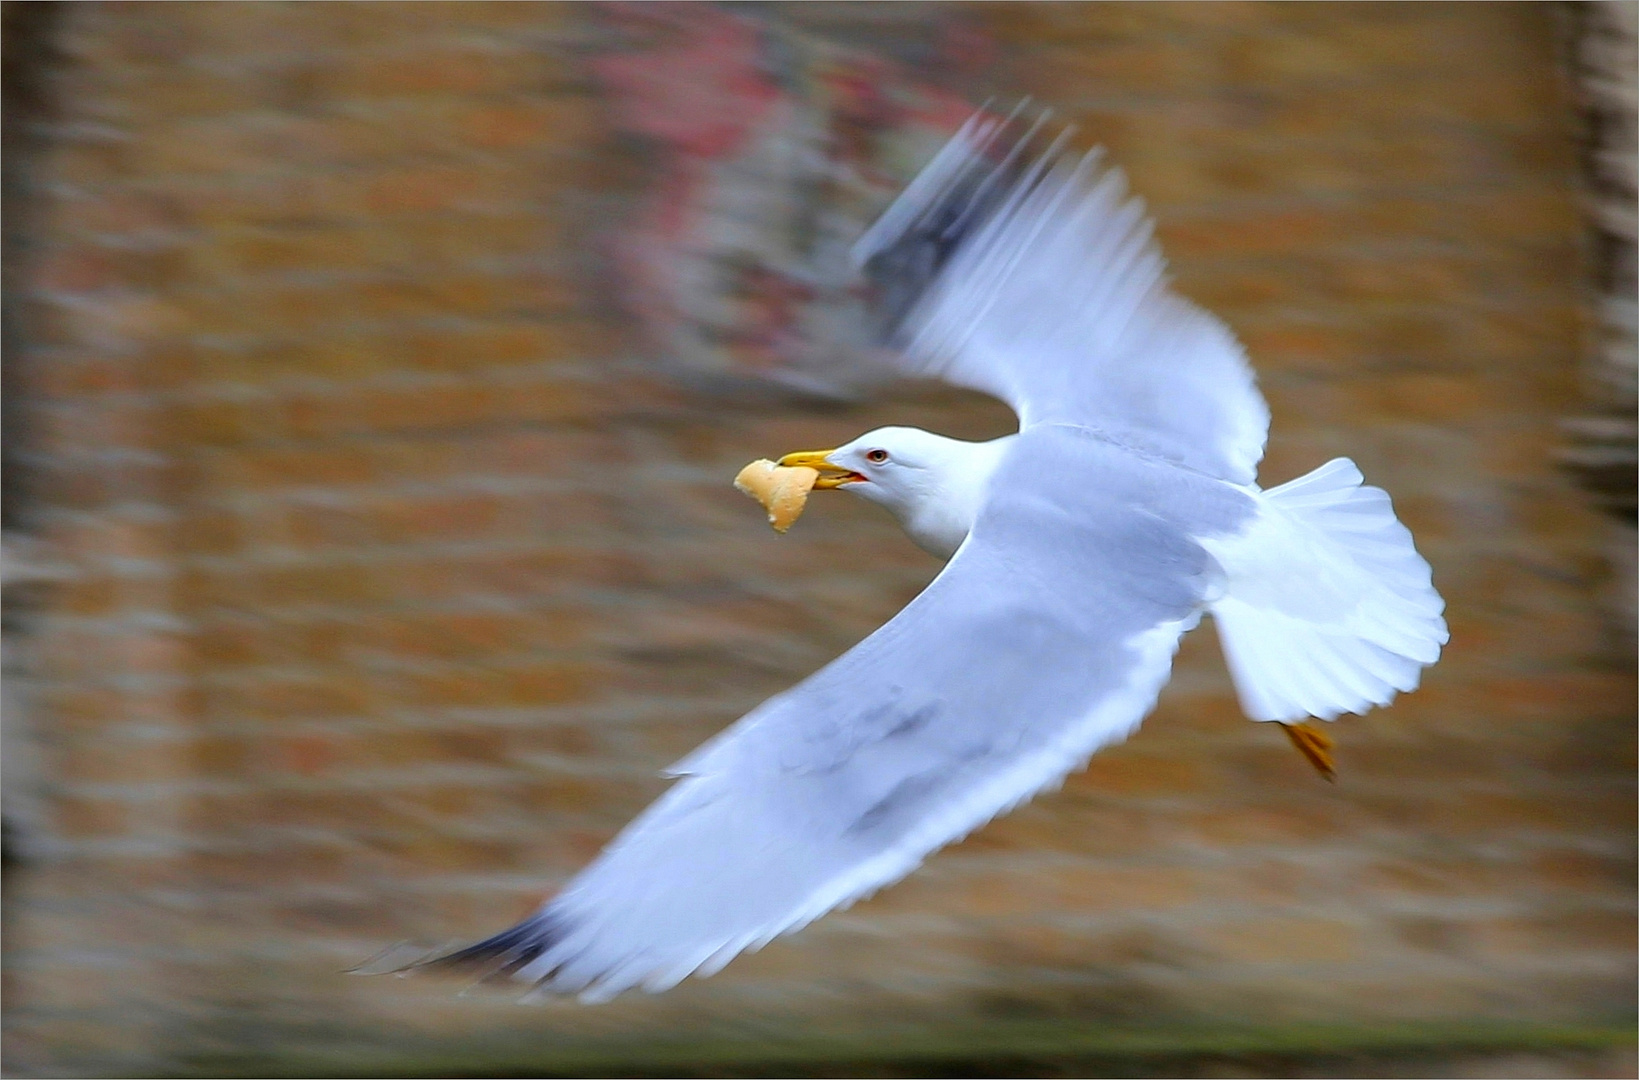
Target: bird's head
(932,484)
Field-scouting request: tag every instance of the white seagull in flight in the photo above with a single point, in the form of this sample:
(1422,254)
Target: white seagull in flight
(1080,550)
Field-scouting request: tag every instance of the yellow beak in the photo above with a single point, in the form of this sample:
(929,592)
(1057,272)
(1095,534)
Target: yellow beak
(830,476)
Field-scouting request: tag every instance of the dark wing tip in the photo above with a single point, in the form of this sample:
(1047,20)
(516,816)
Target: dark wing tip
(495,959)
(902,264)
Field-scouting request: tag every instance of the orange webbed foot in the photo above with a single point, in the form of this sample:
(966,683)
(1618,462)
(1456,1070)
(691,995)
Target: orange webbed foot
(1314,744)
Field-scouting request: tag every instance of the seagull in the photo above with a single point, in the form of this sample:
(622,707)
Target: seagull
(1080,549)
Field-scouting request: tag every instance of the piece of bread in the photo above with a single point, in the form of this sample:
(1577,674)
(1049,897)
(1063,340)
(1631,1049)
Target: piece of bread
(782,490)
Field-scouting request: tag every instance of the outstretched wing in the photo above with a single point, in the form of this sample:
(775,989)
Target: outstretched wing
(1047,636)
(1031,276)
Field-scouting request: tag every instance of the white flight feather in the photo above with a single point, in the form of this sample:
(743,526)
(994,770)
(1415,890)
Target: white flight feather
(1113,721)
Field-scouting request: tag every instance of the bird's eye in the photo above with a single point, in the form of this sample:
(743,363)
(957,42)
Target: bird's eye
(876,457)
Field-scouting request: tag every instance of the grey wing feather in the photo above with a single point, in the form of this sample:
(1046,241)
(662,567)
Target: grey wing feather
(1047,636)
(1030,275)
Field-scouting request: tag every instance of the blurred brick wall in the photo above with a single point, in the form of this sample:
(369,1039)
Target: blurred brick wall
(394,574)
(1602,448)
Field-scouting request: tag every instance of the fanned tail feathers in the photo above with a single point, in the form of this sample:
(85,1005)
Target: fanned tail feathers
(1329,608)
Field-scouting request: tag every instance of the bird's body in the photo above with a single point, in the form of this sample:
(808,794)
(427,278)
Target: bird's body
(1080,550)
(1289,577)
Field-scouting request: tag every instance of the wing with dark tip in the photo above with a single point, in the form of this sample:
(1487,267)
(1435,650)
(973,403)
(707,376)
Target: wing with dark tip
(1027,273)
(1047,636)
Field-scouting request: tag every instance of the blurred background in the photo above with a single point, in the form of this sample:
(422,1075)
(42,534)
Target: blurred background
(374,378)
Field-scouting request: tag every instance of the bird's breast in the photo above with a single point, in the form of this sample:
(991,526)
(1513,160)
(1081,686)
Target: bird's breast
(939,529)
